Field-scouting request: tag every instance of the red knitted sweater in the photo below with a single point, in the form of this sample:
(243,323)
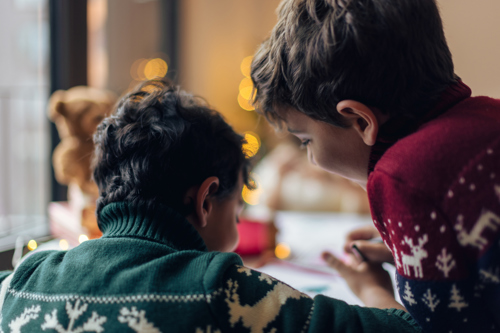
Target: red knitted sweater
(434,190)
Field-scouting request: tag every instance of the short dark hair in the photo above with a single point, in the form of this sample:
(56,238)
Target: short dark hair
(388,54)
(158,143)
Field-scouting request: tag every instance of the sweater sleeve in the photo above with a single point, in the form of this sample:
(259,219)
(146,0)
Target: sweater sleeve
(446,250)
(251,301)
(4,274)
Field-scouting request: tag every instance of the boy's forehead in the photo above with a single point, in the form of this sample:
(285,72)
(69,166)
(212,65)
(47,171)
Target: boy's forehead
(285,109)
(284,113)
(294,120)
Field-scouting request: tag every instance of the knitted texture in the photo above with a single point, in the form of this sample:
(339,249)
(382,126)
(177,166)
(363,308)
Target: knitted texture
(150,272)
(435,199)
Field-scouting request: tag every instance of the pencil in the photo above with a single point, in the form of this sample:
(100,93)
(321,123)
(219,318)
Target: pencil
(360,254)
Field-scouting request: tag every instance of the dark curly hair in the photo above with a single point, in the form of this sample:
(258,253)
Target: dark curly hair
(388,54)
(158,143)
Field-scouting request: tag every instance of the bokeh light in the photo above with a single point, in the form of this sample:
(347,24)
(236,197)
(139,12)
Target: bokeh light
(136,74)
(252,197)
(245,65)
(83,238)
(245,103)
(252,145)
(245,97)
(282,251)
(32,245)
(246,82)
(155,68)
(140,69)
(246,93)
(63,244)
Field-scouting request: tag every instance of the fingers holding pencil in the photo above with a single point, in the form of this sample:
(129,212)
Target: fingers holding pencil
(373,251)
(366,245)
(369,281)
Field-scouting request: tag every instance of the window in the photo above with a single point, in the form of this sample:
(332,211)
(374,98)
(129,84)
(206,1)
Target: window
(24,128)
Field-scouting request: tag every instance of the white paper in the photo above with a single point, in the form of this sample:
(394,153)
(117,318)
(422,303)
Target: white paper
(308,235)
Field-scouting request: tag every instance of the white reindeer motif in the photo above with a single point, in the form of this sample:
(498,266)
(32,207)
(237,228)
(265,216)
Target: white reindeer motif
(487,219)
(415,260)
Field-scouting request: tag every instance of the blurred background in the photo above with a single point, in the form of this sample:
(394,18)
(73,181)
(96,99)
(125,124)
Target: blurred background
(206,47)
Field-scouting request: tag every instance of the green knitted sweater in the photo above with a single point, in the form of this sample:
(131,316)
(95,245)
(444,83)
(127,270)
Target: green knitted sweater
(151,272)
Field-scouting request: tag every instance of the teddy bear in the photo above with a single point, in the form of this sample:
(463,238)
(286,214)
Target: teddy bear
(76,113)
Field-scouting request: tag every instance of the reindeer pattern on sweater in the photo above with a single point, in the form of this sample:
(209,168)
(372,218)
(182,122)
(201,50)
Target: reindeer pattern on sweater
(435,199)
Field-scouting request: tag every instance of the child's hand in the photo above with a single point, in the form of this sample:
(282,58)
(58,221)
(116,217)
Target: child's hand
(374,252)
(369,281)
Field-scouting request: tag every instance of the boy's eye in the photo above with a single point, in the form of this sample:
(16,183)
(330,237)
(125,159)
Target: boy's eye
(304,143)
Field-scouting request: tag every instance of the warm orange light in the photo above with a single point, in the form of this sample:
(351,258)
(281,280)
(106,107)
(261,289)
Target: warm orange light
(245,65)
(252,197)
(246,93)
(282,251)
(83,238)
(63,244)
(140,69)
(246,82)
(155,68)
(245,103)
(134,69)
(252,145)
(32,245)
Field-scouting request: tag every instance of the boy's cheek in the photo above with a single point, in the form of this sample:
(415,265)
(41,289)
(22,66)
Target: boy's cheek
(229,241)
(239,210)
(236,240)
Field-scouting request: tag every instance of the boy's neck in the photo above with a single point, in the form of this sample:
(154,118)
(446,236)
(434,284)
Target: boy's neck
(394,128)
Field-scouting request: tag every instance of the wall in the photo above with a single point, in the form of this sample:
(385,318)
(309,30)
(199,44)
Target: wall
(132,32)
(215,37)
(473,32)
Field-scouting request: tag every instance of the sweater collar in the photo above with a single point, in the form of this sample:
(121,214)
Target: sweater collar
(399,127)
(159,223)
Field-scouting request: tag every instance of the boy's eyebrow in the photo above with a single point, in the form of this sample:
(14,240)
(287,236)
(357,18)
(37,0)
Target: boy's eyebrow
(293,131)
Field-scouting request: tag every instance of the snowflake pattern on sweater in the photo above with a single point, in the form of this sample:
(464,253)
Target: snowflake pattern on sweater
(253,317)
(270,306)
(163,279)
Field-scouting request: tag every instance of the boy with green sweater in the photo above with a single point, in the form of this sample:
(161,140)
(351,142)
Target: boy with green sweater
(170,173)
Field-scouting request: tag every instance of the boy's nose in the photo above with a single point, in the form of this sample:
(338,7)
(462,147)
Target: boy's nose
(310,156)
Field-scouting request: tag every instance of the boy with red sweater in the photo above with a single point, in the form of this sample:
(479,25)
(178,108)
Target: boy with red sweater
(369,87)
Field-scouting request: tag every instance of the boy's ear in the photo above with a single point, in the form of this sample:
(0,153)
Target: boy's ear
(204,200)
(361,118)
